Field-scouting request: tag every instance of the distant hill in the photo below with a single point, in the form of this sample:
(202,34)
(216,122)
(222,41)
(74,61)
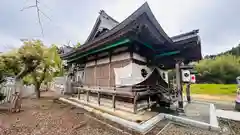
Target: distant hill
(234,51)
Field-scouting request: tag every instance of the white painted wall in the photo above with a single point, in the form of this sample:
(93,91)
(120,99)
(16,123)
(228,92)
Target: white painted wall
(140,58)
(122,56)
(103,61)
(90,63)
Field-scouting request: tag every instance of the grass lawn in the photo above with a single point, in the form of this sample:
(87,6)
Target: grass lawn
(214,89)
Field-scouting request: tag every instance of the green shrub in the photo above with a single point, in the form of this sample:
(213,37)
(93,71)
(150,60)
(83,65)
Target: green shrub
(221,69)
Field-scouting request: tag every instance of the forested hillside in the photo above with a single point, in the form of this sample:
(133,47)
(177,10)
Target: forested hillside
(234,51)
(222,68)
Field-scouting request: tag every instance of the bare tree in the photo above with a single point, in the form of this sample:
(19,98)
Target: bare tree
(39,12)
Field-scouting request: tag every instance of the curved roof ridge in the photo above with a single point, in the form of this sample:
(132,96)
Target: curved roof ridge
(141,10)
(103,20)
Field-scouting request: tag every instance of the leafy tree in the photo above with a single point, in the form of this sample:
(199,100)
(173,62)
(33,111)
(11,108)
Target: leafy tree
(77,45)
(9,65)
(33,63)
(1,74)
(30,55)
(48,66)
(221,69)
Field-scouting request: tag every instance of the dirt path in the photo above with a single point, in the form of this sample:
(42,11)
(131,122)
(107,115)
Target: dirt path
(48,117)
(220,98)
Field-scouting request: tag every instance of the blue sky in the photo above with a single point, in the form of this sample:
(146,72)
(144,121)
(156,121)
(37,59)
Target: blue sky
(72,20)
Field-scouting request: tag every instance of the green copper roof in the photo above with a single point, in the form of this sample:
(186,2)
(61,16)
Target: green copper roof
(167,53)
(121,42)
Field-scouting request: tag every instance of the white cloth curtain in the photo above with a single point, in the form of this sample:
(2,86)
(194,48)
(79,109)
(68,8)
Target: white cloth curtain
(131,74)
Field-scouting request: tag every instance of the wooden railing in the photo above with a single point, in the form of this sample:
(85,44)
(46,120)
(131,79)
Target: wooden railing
(133,93)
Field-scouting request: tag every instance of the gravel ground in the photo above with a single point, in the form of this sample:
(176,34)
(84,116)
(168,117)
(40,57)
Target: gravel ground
(52,117)
(45,117)
(180,129)
(159,126)
(229,127)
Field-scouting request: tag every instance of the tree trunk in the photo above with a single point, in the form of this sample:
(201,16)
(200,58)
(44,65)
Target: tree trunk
(37,90)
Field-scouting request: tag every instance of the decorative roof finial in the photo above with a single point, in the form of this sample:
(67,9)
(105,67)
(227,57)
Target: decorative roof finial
(101,12)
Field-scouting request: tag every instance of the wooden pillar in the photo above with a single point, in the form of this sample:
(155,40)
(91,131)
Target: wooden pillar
(148,103)
(114,99)
(109,69)
(188,92)
(179,85)
(78,93)
(130,48)
(98,98)
(87,96)
(95,71)
(131,52)
(135,102)
(149,99)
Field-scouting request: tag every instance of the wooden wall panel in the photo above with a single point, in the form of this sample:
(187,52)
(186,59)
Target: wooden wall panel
(89,76)
(102,82)
(117,64)
(102,75)
(102,72)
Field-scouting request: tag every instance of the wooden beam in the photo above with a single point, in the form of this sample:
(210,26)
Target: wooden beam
(139,62)
(125,60)
(110,92)
(121,92)
(106,56)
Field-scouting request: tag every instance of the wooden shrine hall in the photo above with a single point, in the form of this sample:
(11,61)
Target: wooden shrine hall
(124,65)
